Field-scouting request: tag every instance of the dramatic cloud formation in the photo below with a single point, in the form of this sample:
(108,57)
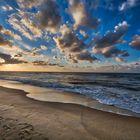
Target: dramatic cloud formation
(135,42)
(69,33)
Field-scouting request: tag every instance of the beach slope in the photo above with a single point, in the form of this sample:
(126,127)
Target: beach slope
(25,118)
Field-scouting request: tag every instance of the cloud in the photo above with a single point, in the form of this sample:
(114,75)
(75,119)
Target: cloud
(18,55)
(45,63)
(39,19)
(4,42)
(2,61)
(37,51)
(7,8)
(49,15)
(35,25)
(112,38)
(120,60)
(105,45)
(128,4)
(135,43)
(24,4)
(25,24)
(72,46)
(81,16)
(132,67)
(125,54)
(5,36)
(9,60)
(84,34)
(40,63)
(43,47)
(86,56)
(68,41)
(112,52)
(9,33)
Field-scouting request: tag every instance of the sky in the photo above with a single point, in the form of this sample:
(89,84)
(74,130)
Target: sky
(70,35)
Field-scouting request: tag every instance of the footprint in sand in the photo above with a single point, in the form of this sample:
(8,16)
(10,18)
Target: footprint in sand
(11,129)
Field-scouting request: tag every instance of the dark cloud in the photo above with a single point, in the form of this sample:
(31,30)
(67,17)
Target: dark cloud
(68,42)
(46,16)
(40,63)
(4,42)
(28,3)
(45,63)
(112,38)
(86,56)
(25,23)
(106,45)
(7,33)
(35,51)
(112,52)
(81,16)
(18,55)
(9,60)
(1,28)
(72,46)
(49,15)
(135,43)
(125,54)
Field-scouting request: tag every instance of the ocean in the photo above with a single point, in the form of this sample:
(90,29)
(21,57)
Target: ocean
(121,90)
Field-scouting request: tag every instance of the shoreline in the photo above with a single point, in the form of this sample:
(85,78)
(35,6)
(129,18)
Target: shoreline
(51,95)
(58,121)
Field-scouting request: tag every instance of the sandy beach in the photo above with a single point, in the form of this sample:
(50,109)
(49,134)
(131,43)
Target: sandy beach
(25,118)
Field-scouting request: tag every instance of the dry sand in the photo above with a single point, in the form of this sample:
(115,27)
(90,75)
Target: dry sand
(22,118)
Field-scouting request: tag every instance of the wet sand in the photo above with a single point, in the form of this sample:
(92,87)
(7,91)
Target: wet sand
(25,118)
